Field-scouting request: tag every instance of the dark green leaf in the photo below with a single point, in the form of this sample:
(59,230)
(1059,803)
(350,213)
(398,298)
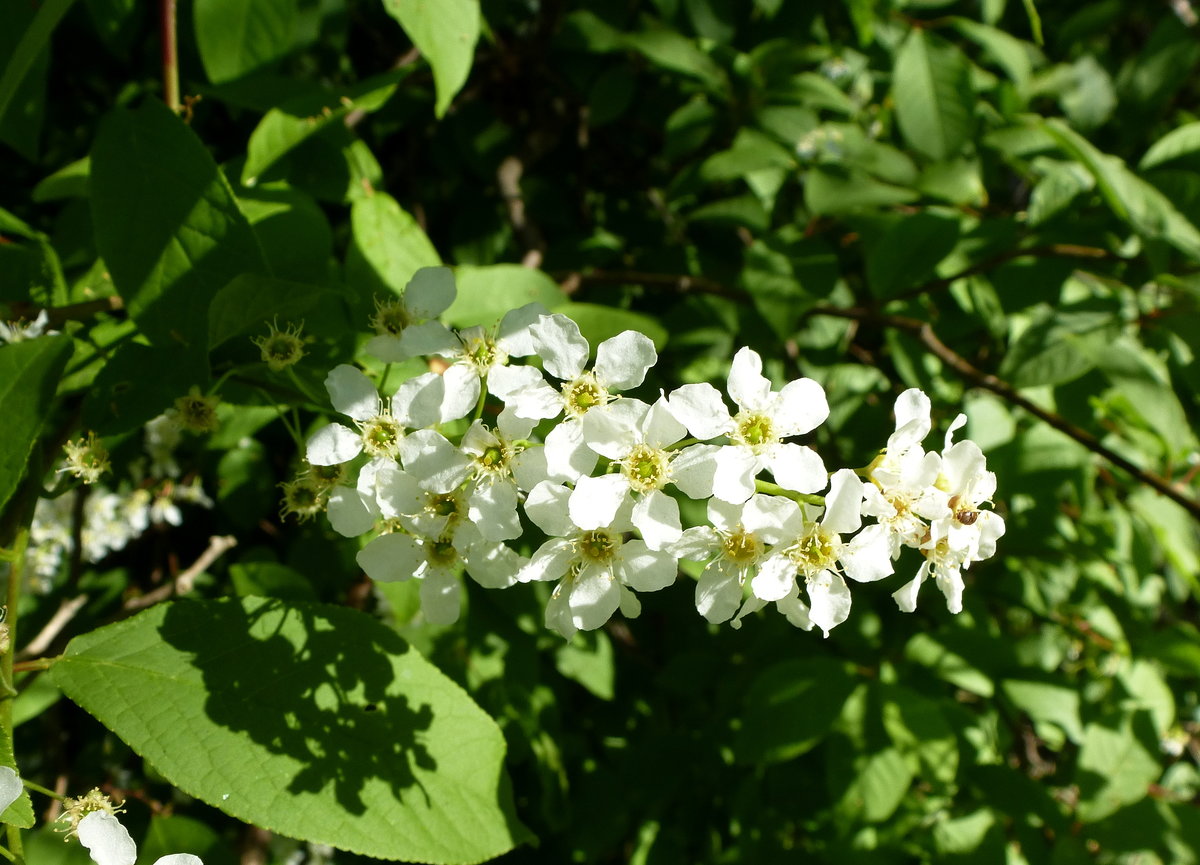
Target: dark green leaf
(237,37)
(316,722)
(790,708)
(934,101)
(29,375)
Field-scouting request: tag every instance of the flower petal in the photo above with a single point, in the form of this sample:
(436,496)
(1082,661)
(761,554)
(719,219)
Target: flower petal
(622,361)
(718,592)
(613,430)
(800,408)
(462,392)
(387,347)
(430,292)
(843,503)
(868,557)
(492,507)
(418,402)
(431,337)
(563,349)
(558,611)
(441,596)
(106,839)
(549,562)
(546,505)
(797,468)
(700,408)
(906,596)
(775,578)
(693,470)
(660,427)
(397,492)
(567,455)
(10,787)
(656,516)
(697,544)
(437,465)
(391,558)
(594,596)
(645,569)
(514,334)
(595,501)
(772,518)
(179,859)
(748,387)
(733,480)
(351,513)
(828,600)
(332,444)
(352,393)
(493,566)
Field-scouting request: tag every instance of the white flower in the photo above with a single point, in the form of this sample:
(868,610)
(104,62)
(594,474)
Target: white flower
(596,568)
(478,349)
(757,431)
(10,787)
(418,403)
(635,437)
(19,331)
(734,546)
(903,492)
(621,364)
(966,534)
(428,294)
(815,549)
(436,563)
(499,468)
(108,842)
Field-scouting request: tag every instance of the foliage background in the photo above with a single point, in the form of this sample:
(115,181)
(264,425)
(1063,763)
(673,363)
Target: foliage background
(989,201)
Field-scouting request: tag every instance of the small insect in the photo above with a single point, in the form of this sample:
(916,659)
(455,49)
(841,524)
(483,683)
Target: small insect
(967,517)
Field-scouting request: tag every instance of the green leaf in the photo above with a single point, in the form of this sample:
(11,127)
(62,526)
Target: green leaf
(598,323)
(70,181)
(1011,54)
(123,396)
(292,230)
(934,101)
(919,729)
(1118,761)
(1047,702)
(284,128)
(831,189)
(174,834)
(316,722)
(908,251)
(871,785)
(184,240)
(29,376)
(1180,143)
(32,43)
(1058,347)
(485,294)
(270,580)
(928,651)
(1177,648)
(237,37)
(1149,212)
(671,50)
(1062,183)
(790,708)
(445,32)
(390,241)
(588,660)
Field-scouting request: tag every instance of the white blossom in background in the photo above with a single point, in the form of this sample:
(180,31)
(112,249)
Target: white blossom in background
(108,842)
(20,331)
(10,787)
(161,436)
(426,296)
(596,569)
(814,549)
(621,364)
(757,432)
(733,546)
(635,437)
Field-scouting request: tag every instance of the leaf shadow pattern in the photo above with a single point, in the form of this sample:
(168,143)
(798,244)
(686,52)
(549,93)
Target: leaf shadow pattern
(314,684)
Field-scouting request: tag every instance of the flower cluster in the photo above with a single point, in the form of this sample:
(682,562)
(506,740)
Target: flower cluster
(603,481)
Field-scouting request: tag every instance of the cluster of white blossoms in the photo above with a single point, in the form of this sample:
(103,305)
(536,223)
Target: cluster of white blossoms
(602,483)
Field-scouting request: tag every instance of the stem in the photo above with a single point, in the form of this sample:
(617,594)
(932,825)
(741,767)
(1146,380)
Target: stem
(170,57)
(776,490)
(38,788)
(482,399)
(16,574)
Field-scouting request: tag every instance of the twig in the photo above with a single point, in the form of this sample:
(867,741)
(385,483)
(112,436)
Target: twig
(572,281)
(963,367)
(57,316)
(1052,250)
(508,176)
(50,631)
(218,545)
(170,56)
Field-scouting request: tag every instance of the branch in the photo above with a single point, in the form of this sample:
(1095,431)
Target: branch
(963,367)
(508,177)
(66,611)
(573,280)
(1052,250)
(218,545)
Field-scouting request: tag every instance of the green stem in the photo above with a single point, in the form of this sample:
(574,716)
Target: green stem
(303,389)
(776,490)
(482,399)
(383,378)
(38,788)
(683,443)
(16,574)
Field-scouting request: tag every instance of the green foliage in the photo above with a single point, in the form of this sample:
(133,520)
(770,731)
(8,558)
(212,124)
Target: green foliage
(876,195)
(236,703)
